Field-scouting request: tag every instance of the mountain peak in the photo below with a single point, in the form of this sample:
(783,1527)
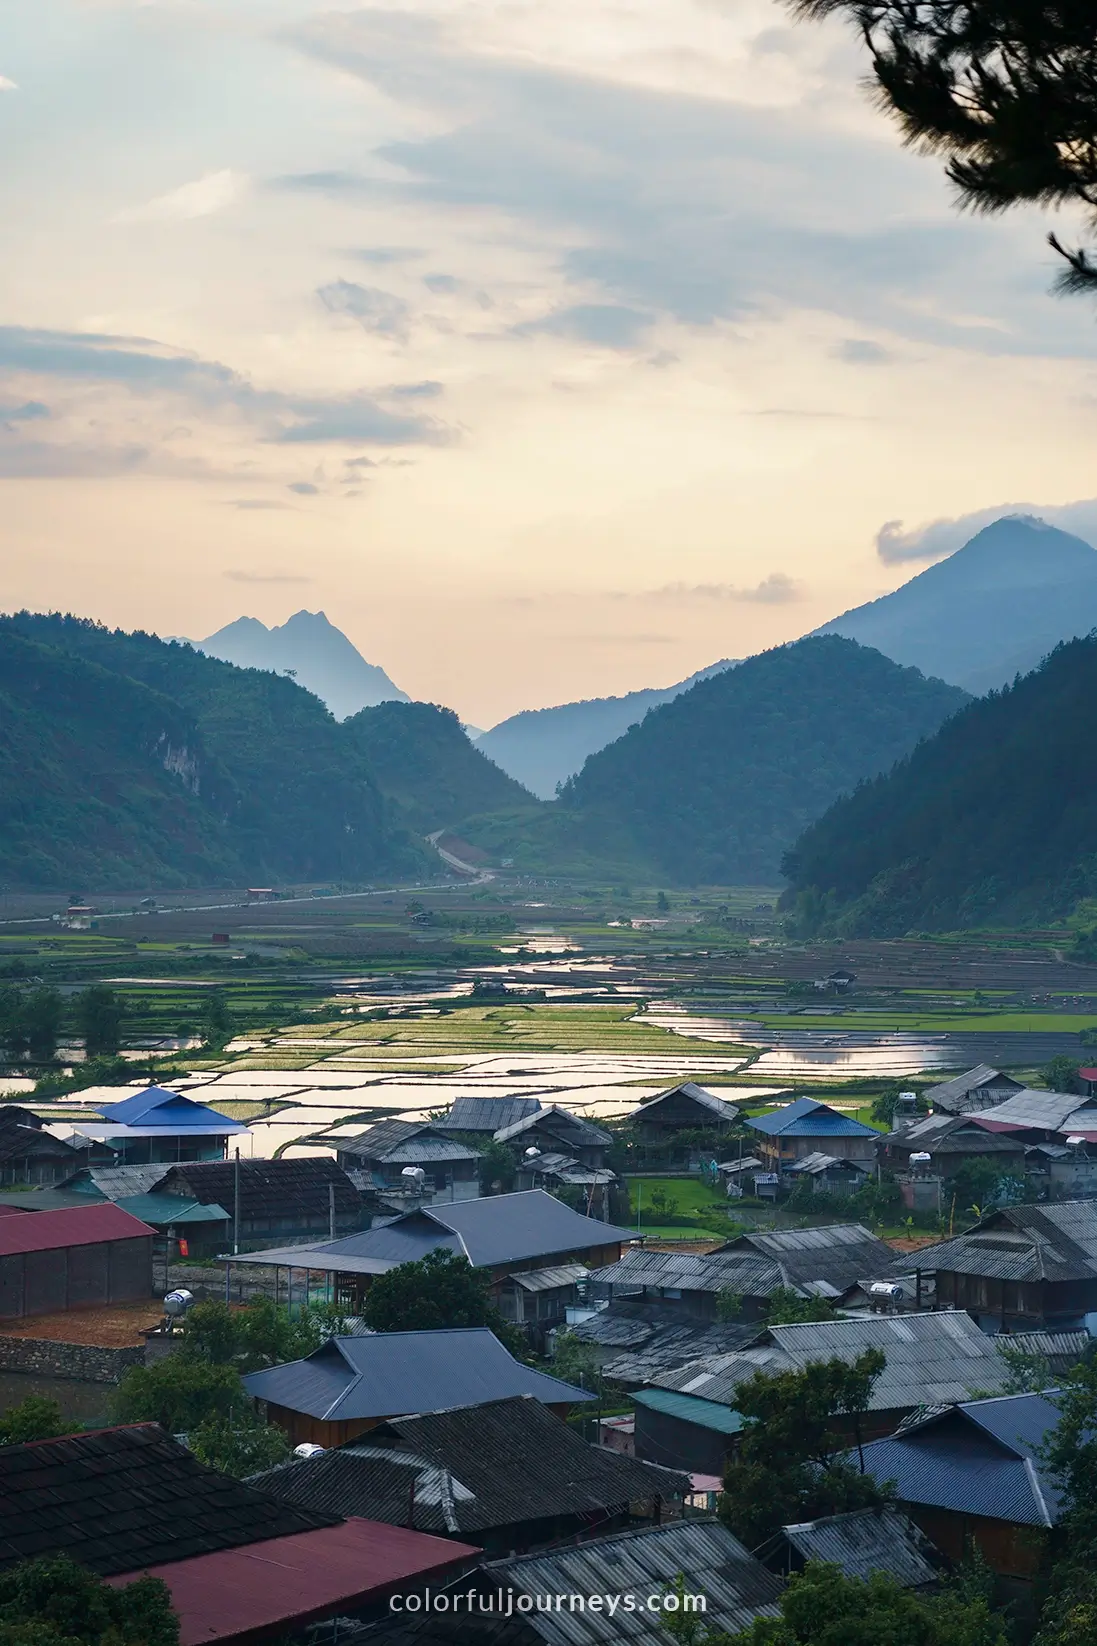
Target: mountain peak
(310,646)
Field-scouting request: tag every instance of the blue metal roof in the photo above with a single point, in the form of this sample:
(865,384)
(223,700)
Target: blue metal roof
(980,1458)
(171,1110)
(707,1414)
(807,1117)
(392,1374)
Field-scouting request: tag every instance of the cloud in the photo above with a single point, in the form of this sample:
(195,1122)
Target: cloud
(938,538)
(609,325)
(254,503)
(54,460)
(443,283)
(267,577)
(774,590)
(30,411)
(385,254)
(426,390)
(374,310)
(361,422)
(201,198)
(303,488)
(860,351)
(6,84)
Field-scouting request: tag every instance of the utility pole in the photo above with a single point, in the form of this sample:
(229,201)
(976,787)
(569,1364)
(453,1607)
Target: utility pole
(331,1211)
(236,1204)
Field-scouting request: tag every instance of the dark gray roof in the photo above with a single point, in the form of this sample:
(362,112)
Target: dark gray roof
(404,1143)
(557,1122)
(828,1260)
(862,1542)
(979,1458)
(1031,1110)
(268,1188)
(952,1094)
(390,1373)
(1055,1241)
(469,1469)
(741,1271)
(116,1182)
(816,1163)
(549,1280)
(953,1134)
(486,1114)
(718,1107)
(490,1232)
(737,1587)
(930,1357)
(651,1339)
(1061,1350)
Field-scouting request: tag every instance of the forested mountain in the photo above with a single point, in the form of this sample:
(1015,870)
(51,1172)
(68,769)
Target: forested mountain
(426,767)
(319,655)
(128,759)
(990,611)
(714,786)
(994,819)
(542,748)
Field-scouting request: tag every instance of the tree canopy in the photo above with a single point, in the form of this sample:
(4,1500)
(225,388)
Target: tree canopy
(432,1293)
(1004,90)
(823,1607)
(56,1602)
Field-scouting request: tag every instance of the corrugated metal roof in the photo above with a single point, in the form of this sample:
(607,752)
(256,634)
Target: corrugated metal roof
(1054,1241)
(471,1468)
(169,1111)
(817,1162)
(79,1226)
(1061,1350)
(737,1587)
(807,1117)
(948,1093)
(862,1542)
(718,1107)
(837,1255)
(286,1582)
(931,1358)
(740,1271)
(717,1377)
(655,1339)
(392,1373)
(707,1414)
(1029,1110)
(115,1182)
(404,1142)
(162,1210)
(981,1457)
(571,1128)
(486,1114)
(549,1280)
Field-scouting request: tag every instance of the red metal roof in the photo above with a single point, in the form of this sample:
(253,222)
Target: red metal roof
(1088,1074)
(241,1594)
(76,1226)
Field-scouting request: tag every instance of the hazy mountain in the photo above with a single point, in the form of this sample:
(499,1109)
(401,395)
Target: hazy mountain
(321,657)
(712,787)
(992,820)
(990,611)
(543,747)
(426,767)
(128,760)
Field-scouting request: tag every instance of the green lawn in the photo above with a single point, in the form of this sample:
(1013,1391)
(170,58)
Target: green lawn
(693,1199)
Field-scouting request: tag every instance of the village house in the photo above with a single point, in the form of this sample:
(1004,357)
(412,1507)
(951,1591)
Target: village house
(859,1543)
(74,1259)
(291,1200)
(685,1107)
(557,1131)
(1021,1266)
(158,1125)
(390,1149)
(828,1174)
(951,1141)
(507,1235)
(978,1088)
(972,1477)
(506,1475)
(351,1384)
(482,1117)
(632,1341)
(805,1127)
(240,1564)
(29,1153)
(829,1262)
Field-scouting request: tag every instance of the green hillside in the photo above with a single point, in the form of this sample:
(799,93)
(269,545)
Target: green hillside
(128,759)
(426,767)
(713,787)
(994,819)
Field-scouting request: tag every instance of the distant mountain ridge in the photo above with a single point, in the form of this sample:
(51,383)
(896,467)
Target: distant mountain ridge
(988,612)
(542,748)
(319,655)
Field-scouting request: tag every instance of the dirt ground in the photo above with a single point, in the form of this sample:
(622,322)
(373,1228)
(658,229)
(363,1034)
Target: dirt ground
(117,1326)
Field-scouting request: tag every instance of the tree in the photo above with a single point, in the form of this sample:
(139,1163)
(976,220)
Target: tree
(793,1462)
(824,1607)
(56,1602)
(577,1363)
(1069,1617)
(1028,1371)
(788,1308)
(433,1293)
(1004,90)
(99,1013)
(497,1168)
(35,1418)
(240,1445)
(262,1334)
(180,1393)
(1061,1074)
(884,1106)
(662,903)
(217,1020)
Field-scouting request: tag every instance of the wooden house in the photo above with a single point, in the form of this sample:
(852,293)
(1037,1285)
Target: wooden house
(685,1107)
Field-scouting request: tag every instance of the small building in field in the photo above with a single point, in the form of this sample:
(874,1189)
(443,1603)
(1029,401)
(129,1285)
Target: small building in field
(160,1126)
(30,1154)
(506,1475)
(506,1234)
(351,1384)
(806,1127)
(386,1150)
(685,1107)
(285,1200)
(859,1543)
(972,1477)
(74,1259)
(557,1130)
(1021,1267)
(978,1088)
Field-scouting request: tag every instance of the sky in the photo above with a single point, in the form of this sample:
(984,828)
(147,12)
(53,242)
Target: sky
(552,350)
